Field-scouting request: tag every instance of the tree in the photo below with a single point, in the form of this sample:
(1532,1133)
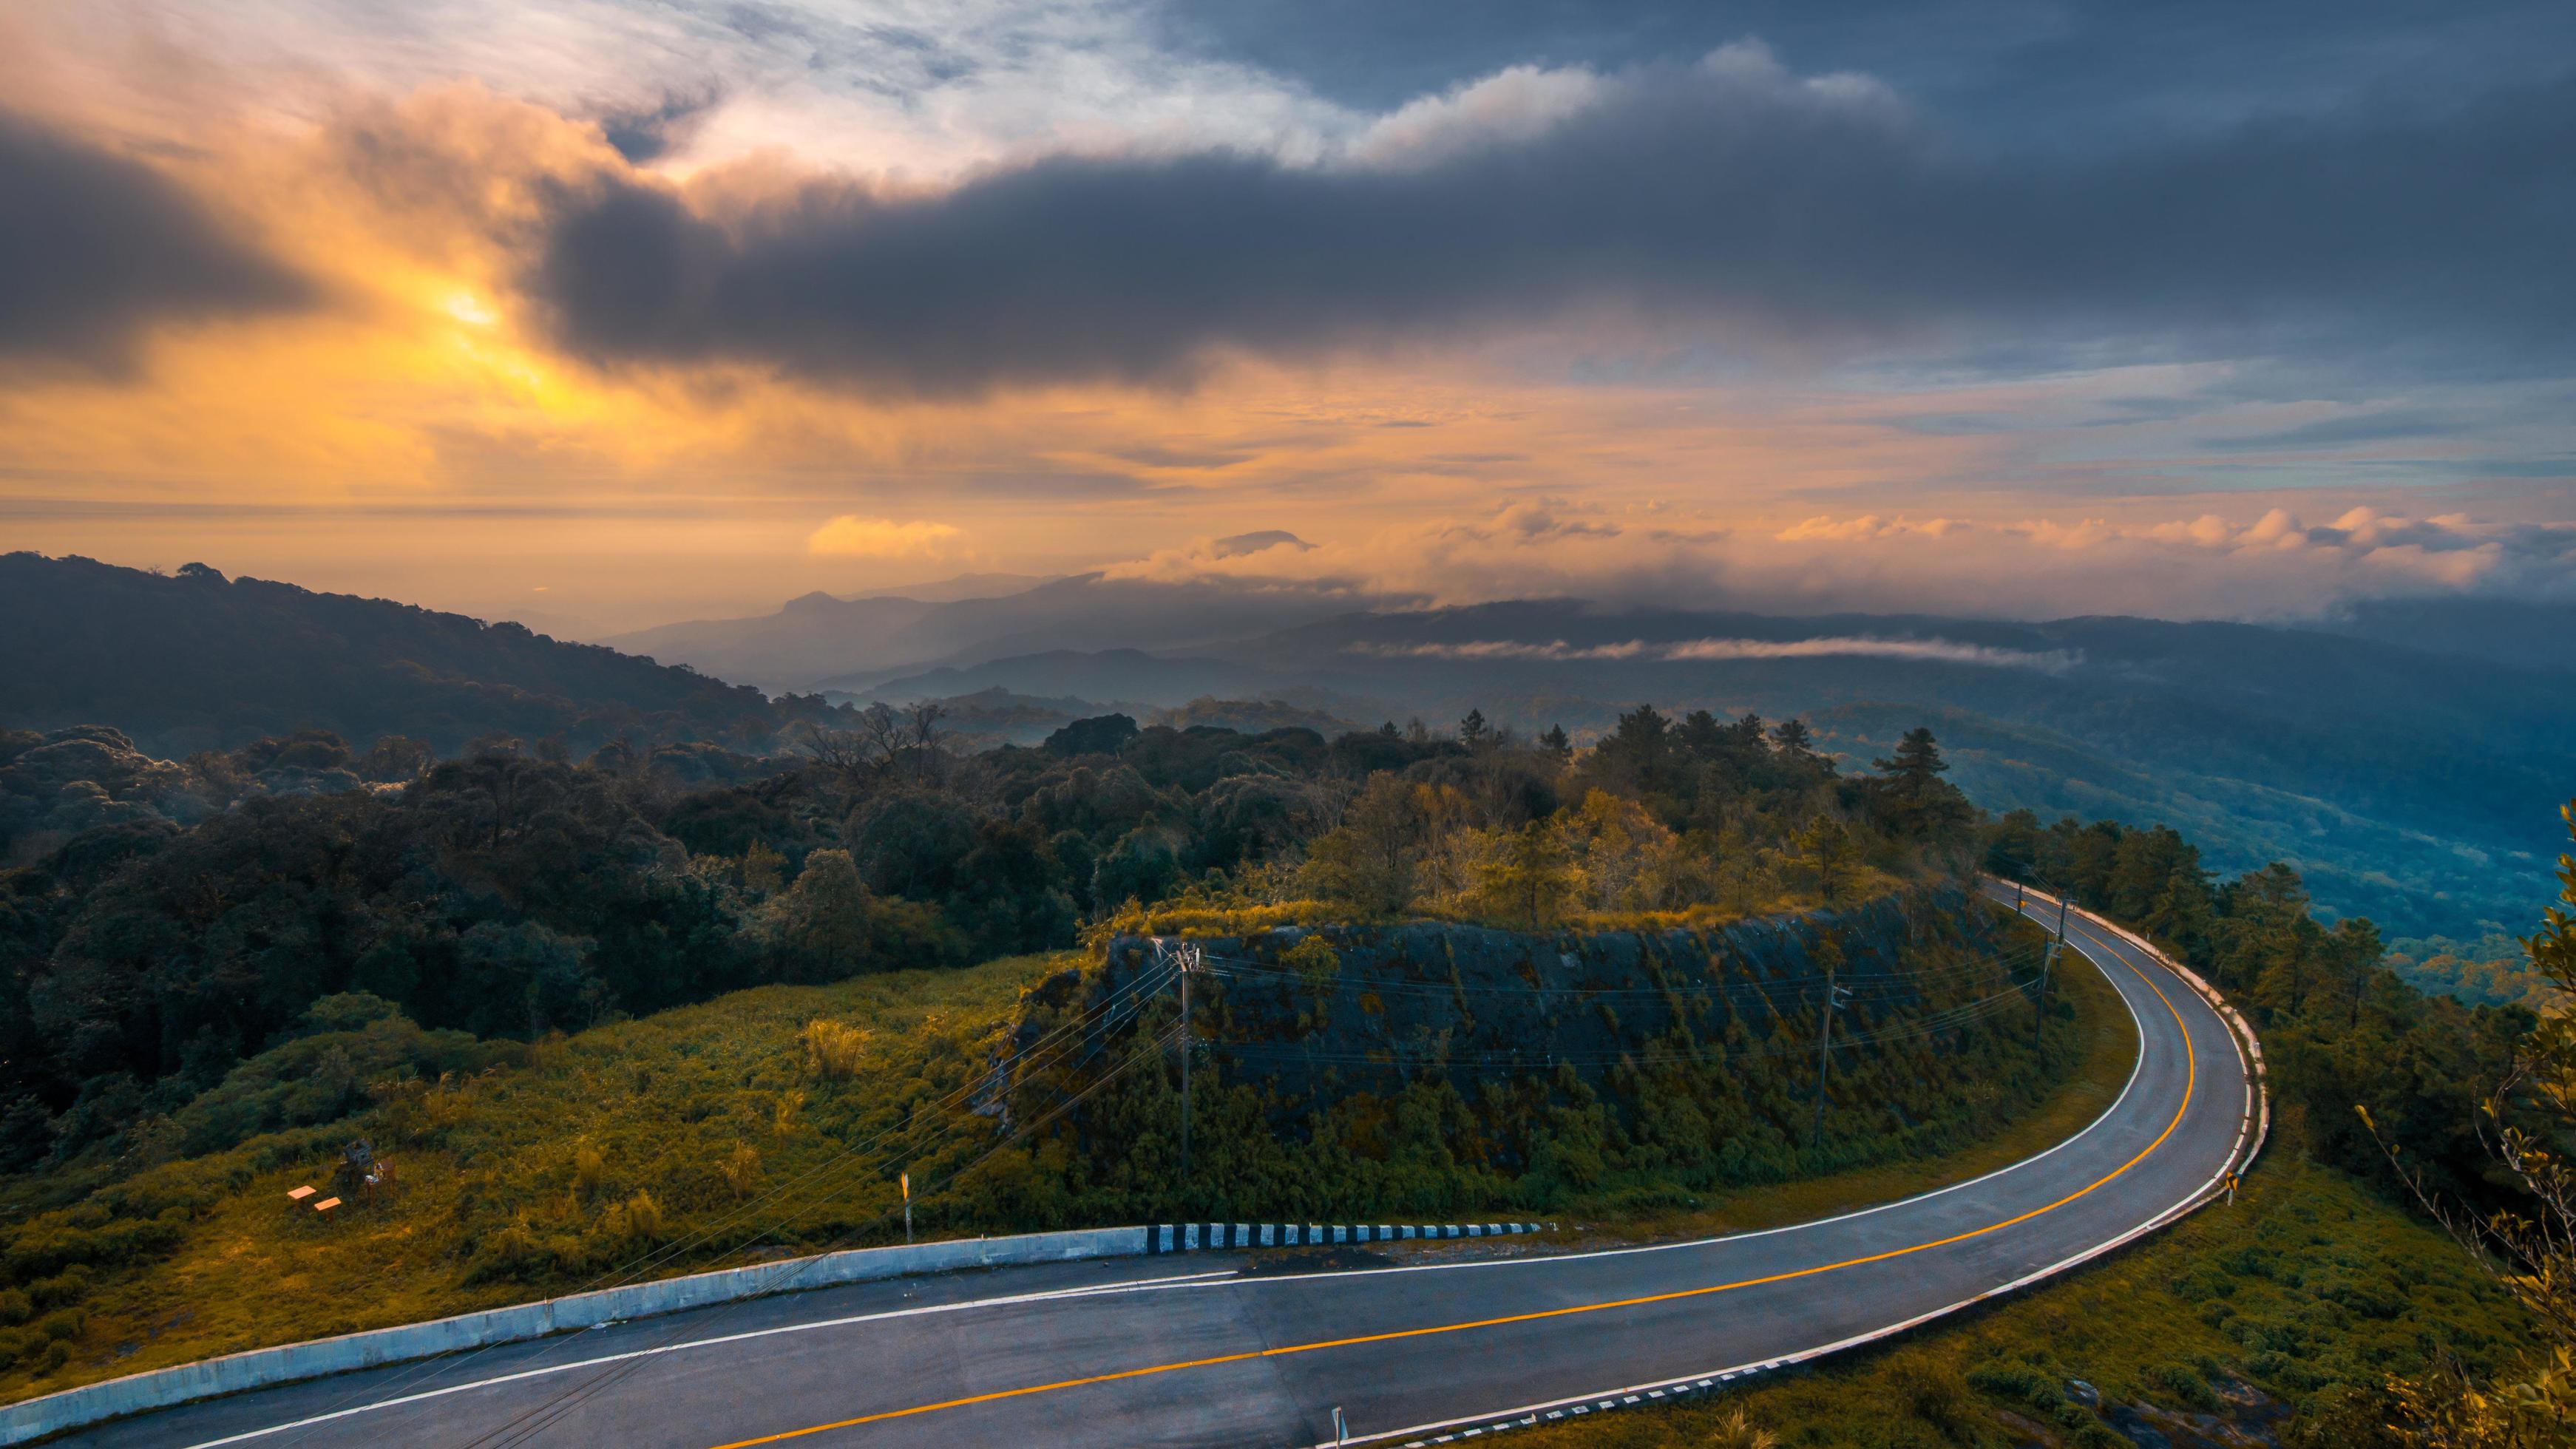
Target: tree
(1792,741)
(2180,915)
(2530,1248)
(1100,735)
(1827,844)
(1473,732)
(1915,768)
(1555,743)
(1626,855)
(1369,864)
(819,926)
(1920,802)
(909,842)
(1636,757)
(2013,846)
(1528,877)
(1142,866)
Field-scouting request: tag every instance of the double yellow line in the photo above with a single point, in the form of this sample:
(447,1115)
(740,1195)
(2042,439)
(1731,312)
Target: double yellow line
(2191,1078)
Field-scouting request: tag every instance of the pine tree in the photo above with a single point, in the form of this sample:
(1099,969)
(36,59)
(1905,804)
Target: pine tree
(1473,732)
(1556,743)
(1791,738)
(1916,768)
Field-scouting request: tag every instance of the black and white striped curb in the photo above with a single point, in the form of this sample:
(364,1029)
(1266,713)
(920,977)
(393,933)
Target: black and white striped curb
(1667,1394)
(1194,1237)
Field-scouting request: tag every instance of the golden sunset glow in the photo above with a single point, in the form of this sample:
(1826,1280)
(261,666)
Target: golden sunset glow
(426,408)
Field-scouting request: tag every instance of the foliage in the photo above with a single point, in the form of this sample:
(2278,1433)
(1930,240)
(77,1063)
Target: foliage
(2528,1244)
(519,1177)
(176,920)
(2339,1026)
(2278,1319)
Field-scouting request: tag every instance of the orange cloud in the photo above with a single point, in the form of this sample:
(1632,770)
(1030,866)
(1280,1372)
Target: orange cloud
(851,536)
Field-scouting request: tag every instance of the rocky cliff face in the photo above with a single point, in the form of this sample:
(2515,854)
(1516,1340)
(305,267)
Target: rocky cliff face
(1704,1041)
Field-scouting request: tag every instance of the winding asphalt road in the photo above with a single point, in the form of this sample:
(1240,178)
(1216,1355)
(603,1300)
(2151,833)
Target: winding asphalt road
(1126,1353)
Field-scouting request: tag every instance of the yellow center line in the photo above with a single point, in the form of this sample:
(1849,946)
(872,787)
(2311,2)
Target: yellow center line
(2191,1078)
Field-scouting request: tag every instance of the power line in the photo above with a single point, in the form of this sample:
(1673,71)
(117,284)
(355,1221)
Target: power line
(1762,990)
(1948,1019)
(526,1424)
(1042,1055)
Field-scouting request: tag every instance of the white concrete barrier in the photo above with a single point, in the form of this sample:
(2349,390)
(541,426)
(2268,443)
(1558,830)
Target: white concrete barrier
(265,1367)
(2257,1126)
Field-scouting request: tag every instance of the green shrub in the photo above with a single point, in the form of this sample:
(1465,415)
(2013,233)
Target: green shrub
(1933,1390)
(61,1290)
(63,1324)
(2185,1383)
(2020,1383)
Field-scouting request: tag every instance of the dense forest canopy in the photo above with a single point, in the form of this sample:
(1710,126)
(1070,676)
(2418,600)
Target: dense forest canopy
(266,947)
(163,923)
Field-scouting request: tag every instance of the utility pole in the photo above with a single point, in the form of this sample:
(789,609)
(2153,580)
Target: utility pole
(1825,1048)
(2039,1016)
(1189,968)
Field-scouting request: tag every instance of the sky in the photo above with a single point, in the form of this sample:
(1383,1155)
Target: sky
(604,313)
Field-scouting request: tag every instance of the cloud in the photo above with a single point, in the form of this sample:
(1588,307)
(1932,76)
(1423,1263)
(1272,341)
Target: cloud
(1729,200)
(1238,545)
(852,536)
(2275,566)
(646,133)
(97,248)
(1945,651)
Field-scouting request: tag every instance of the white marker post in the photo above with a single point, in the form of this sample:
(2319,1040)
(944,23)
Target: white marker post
(907,1209)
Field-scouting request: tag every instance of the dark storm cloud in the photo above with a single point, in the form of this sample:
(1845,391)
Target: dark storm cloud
(95,248)
(649,133)
(2069,71)
(1729,197)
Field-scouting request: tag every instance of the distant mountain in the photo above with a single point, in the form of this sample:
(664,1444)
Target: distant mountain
(990,717)
(1130,676)
(2507,631)
(963,586)
(2407,758)
(2414,785)
(807,638)
(195,661)
(820,641)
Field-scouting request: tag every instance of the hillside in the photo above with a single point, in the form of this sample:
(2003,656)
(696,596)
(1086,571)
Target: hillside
(2402,779)
(195,661)
(731,1128)
(2392,755)
(819,641)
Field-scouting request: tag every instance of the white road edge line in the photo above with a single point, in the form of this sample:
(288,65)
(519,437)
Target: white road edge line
(1228,1278)
(1084,1291)
(2195,1196)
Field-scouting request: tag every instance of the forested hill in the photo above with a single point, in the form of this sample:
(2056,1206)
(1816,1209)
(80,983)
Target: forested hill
(194,661)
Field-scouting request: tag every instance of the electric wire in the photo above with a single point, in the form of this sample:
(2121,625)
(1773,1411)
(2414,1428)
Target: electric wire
(1042,1055)
(1098,1019)
(536,1419)
(1238,967)
(1289,1053)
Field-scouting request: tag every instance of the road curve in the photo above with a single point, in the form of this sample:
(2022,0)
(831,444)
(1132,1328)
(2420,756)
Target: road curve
(1189,1352)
